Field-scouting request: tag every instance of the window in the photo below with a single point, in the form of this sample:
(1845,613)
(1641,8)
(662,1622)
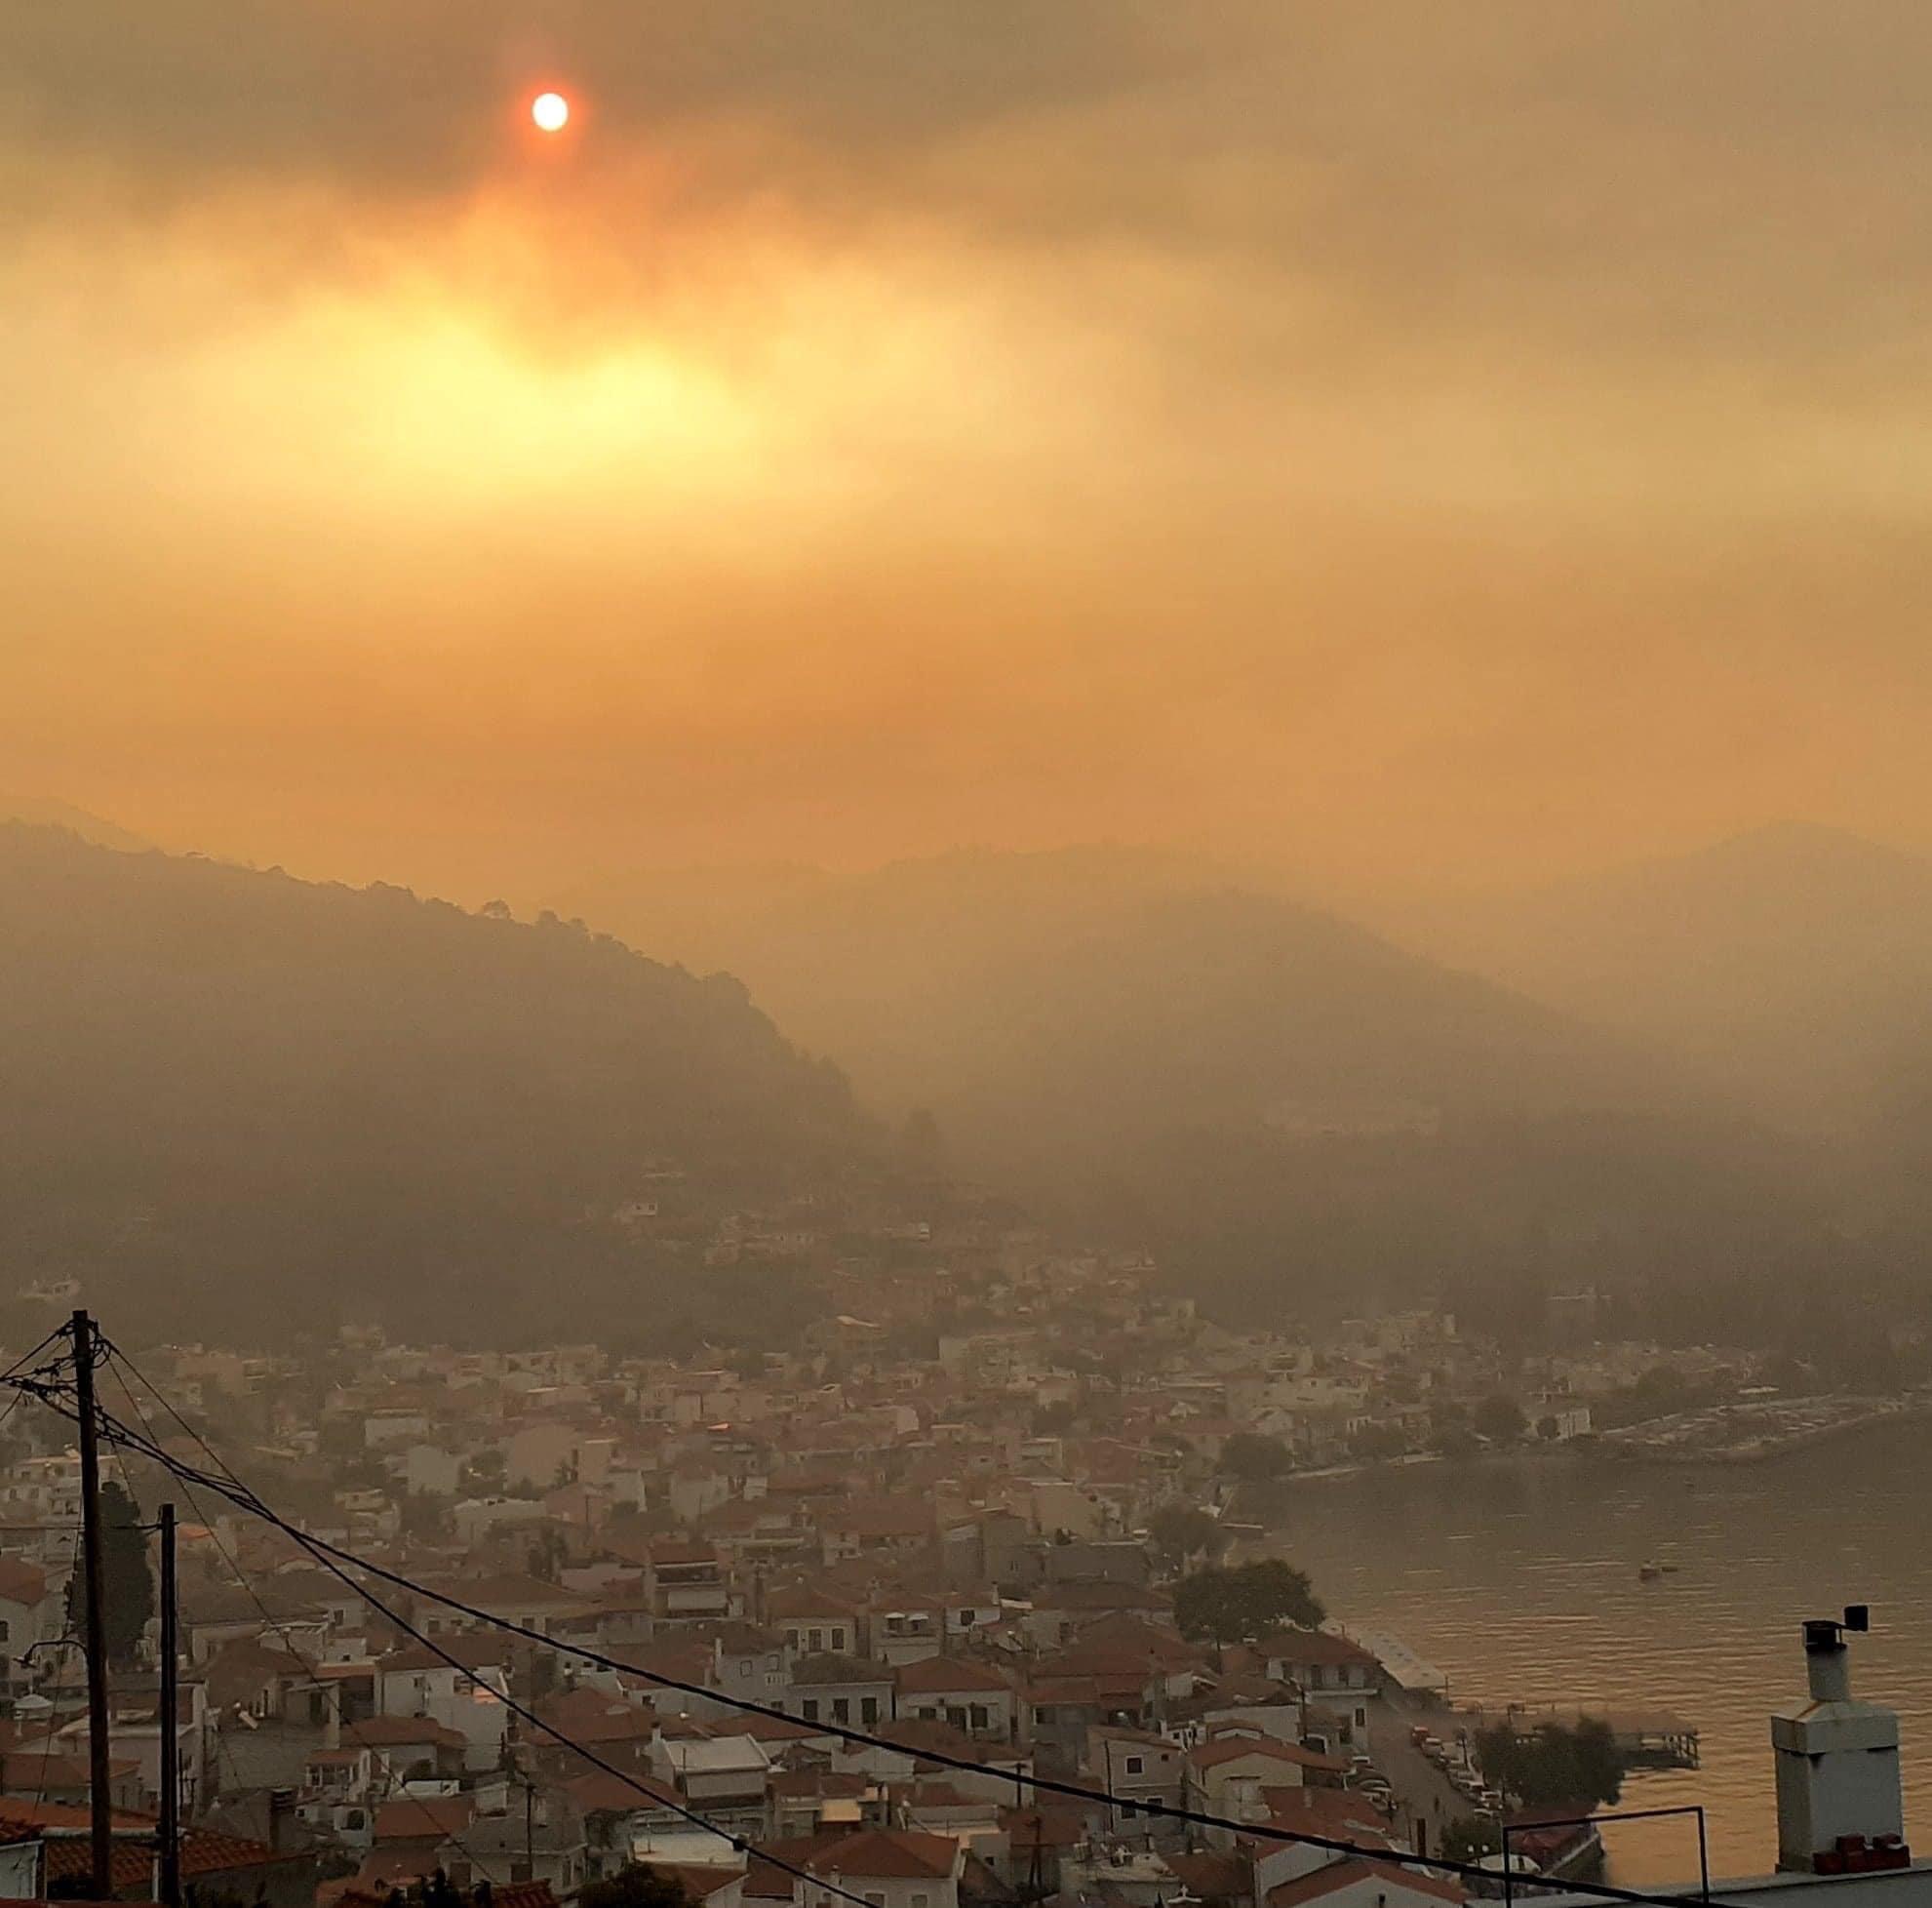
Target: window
(744,1666)
(1136,1765)
(868,1709)
(922,1901)
(877,1900)
(6,1630)
(842,1709)
(808,1709)
(839,1637)
(1042,1712)
(816,1640)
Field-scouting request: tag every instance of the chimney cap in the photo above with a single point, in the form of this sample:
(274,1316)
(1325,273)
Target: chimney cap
(1823,1633)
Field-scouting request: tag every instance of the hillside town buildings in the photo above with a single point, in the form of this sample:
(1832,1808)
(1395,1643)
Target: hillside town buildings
(934,1522)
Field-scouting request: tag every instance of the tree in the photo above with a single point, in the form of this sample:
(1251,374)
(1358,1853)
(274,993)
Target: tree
(423,1515)
(1468,1838)
(486,1471)
(1499,1417)
(126,1582)
(638,1885)
(545,1557)
(1254,1459)
(1376,1441)
(1238,1604)
(1547,1427)
(1179,1531)
(1554,1765)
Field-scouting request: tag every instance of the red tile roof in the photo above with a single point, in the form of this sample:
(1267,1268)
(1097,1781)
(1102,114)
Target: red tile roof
(473,1649)
(1210,1877)
(204,1852)
(1337,1814)
(1315,1647)
(1338,1875)
(21,1582)
(399,1731)
(1231,1748)
(600,1792)
(900,1854)
(590,1716)
(853,1858)
(1046,1828)
(806,1601)
(699,1881)
(942,1675)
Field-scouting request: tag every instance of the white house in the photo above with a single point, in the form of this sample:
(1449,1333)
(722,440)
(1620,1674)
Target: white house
(433,1470)
(417,1681)
(1358,1884)
(847,1689)
(539,1454)
(29,1613)
(890,1868)
(972,1695)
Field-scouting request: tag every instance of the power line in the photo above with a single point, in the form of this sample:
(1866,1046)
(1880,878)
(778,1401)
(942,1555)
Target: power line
(120,1365)
(246,1500)
(51,1368)
(318,1550)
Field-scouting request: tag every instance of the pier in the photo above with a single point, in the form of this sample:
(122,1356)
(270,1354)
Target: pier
(1645,1738)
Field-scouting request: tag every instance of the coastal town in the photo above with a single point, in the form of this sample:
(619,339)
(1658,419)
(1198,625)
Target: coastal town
(786,1624)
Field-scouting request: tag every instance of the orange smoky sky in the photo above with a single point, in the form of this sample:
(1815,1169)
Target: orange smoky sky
(1405,443)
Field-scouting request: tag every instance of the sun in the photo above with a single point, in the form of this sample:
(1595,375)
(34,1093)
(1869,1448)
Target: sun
(551,112)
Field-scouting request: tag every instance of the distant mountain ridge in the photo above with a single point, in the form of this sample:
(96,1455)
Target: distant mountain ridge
(44,812)
(236,1102)
(1107,984)
(1291,1109)
(1792,963)
(232,1093)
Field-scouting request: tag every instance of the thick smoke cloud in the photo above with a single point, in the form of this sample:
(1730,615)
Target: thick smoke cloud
(1396,435)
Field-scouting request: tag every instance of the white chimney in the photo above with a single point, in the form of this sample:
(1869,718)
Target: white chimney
(1839,1805)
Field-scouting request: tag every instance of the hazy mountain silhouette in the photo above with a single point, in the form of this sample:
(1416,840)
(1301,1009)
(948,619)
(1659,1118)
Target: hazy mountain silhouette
(1289,1106)
(1092,990)
(1792,964)
(43,810)
(229,1094)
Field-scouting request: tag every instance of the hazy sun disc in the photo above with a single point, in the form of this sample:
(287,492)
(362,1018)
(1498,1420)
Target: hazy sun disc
(551,113)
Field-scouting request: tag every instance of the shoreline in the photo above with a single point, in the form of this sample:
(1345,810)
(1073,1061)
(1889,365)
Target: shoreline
(1631,1446)
(1615,1448)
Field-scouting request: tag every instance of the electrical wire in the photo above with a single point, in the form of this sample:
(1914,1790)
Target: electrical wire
(120,1365)
(52,1366)
(320,1551)
(239,1493)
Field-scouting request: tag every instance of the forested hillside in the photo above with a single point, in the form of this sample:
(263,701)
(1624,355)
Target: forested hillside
(235,1099)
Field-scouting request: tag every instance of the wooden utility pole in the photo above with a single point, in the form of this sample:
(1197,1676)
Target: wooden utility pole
(171,1706)
(94,1639)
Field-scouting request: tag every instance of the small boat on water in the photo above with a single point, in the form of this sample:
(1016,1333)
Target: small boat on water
(1651,1570)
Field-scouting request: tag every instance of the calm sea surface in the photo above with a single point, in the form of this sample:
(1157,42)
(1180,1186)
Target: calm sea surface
(1519,1579)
